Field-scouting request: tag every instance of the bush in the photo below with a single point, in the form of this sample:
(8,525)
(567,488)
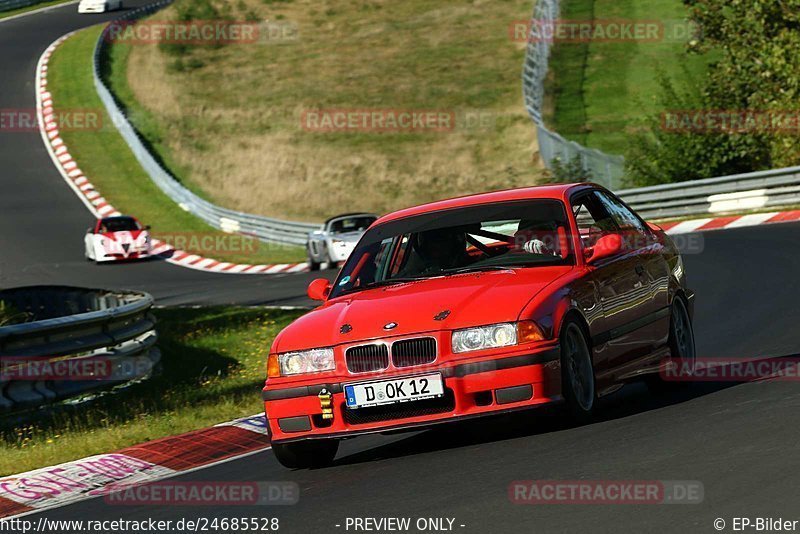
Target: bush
(754,47)
(11,315)
(659,154)
(570,172)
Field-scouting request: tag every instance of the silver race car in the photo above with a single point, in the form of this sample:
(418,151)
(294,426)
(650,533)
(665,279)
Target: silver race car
(334,242)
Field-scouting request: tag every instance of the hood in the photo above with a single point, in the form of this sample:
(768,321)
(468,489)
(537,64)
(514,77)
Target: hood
(124,236)
(348,236)
(472,299)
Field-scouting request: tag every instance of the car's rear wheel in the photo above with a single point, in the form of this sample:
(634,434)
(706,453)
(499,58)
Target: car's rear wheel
(681,347)
(306,454)
(577,373)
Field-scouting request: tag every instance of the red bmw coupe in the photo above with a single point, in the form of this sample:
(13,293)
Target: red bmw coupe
(476,306)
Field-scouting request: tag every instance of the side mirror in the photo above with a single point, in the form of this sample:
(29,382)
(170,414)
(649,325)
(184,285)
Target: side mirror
(606,246)
(147,227)
(319,289)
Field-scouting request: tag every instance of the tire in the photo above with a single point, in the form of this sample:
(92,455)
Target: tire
(326,259)
(577,373)
(312,265)
(681,346)
(306,454)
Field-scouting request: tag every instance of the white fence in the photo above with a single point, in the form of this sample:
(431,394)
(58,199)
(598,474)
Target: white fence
(604,168)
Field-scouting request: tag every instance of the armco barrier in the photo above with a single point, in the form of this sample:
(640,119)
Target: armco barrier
(737,193)
(264,228)
(68,323)
(8,5)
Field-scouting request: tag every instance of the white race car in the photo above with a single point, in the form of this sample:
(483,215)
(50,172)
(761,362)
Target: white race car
(337,238)
(98,6)
(117,238)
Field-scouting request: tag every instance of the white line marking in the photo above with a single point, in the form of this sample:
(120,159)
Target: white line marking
(688,226)
(751,220)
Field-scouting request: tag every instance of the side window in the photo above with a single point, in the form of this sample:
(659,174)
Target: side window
(594,221)
(624,217)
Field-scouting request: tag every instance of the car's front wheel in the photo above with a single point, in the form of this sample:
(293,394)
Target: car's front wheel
(306,454)
(312,265)
(577,373)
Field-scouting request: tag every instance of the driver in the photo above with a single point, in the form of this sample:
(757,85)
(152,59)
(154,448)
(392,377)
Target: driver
(437,250)
(537,237)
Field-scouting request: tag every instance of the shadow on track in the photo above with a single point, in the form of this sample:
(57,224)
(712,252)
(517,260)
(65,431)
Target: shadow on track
(633,399)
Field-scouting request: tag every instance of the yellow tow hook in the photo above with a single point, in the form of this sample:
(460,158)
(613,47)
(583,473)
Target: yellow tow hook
(326,403)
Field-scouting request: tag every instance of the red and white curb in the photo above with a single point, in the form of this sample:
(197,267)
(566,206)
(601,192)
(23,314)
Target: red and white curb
(70,482)
(730,222)
(99,206)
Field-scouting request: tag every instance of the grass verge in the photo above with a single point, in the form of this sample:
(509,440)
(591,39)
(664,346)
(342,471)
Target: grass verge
(214,363)
(599,91)
(34,7)
(110,165)
(240,107)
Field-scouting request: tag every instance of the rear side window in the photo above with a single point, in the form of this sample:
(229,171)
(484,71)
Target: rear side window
(623,217)
(593,219)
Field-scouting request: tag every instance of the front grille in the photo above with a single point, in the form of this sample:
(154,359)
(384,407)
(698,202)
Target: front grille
(403,410)
(366,358)
(410,352)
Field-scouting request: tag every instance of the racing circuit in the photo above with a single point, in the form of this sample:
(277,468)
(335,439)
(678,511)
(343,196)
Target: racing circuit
(737,439)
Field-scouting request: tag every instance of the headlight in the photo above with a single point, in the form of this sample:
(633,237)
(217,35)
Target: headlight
(485,337)
(307,361)
(338,243)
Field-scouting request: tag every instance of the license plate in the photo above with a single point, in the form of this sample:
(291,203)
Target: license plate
(395,390)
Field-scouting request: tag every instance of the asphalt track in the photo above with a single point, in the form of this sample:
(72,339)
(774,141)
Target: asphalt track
(739,440)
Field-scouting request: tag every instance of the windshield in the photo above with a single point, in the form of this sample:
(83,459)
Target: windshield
(119,224)
(520,234)
(351,224)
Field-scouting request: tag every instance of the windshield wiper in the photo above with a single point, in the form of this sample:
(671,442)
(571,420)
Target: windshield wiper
(480,268)
(383,283)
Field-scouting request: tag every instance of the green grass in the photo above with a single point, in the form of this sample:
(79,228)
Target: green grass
(239,107)
(598,92)
(110,165)
(39,5)
(214,364)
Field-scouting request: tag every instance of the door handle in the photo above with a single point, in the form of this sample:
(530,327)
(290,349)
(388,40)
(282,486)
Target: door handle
(639,270)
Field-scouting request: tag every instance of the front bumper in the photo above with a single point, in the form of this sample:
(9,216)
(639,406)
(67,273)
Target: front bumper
(340,253)
(472,389)
(118,254)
